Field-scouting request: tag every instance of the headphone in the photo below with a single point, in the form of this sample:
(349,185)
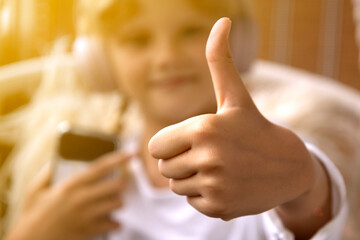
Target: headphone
(94,66)
(243,43)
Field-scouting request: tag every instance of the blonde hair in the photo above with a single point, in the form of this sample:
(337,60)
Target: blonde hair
(60,96)
(100,17)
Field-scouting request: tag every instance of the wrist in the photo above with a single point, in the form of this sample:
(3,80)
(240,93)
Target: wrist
(312,209)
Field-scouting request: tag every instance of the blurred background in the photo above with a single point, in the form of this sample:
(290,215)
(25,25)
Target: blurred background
(318,36)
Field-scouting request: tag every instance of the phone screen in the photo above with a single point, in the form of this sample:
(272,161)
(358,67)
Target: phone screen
(77,148)
(84,147)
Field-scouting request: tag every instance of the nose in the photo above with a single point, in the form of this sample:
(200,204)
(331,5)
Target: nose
(167,53)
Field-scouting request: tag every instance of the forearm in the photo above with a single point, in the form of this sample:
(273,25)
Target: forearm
(312,210)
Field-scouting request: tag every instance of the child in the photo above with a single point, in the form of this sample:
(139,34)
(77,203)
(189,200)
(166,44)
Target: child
(202,137)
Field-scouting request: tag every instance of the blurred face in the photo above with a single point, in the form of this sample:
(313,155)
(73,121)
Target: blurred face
(159,61)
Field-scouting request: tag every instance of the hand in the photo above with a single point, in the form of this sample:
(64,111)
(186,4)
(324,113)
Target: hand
(235,162)
(77,208)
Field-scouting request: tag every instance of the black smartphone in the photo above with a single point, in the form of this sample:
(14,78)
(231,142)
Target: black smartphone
(77,148)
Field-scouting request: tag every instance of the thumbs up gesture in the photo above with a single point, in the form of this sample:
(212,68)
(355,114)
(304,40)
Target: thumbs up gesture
(235,162)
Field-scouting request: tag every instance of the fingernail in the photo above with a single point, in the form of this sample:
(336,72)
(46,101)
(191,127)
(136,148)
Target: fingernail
(230,23)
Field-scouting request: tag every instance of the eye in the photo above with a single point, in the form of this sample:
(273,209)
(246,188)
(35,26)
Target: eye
(190,31)
(136,40)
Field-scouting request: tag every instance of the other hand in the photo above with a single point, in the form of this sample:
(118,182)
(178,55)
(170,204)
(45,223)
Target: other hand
(77,208)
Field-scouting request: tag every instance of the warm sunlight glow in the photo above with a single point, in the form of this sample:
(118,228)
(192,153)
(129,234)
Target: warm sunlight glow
(5,20)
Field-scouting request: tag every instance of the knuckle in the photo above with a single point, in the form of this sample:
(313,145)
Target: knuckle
(161,166)
(164,168)
(208,161)
(215,209)
(173,186)
(212,187)
(178,188)
(152,146)
(204,130)
(213,55)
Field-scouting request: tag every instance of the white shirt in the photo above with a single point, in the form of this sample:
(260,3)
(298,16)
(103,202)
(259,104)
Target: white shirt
(155,214)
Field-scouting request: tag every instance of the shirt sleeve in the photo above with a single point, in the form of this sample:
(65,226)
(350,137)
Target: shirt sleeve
(274,228)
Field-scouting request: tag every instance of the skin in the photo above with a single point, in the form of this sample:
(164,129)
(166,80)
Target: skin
(74,209)
(229,162)
(203,137)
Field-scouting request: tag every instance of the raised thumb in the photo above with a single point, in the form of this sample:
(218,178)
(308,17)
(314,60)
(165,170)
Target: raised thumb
(229,88)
